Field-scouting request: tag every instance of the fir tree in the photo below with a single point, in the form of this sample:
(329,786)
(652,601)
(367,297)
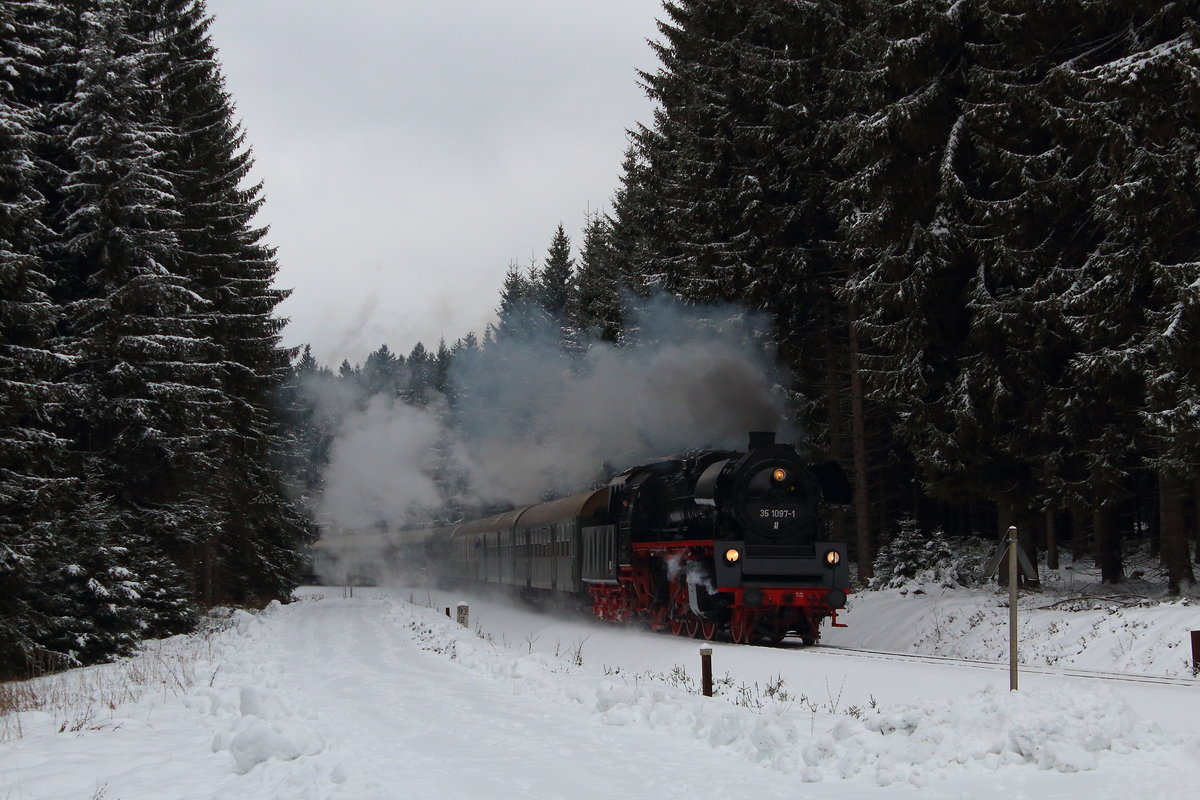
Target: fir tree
(381,373)
(419,383)
(899,73)
(128,254)
(128,313)
(35,483)
(553,284)
(521,315)
(232,269)
(1135,302)
(596,309)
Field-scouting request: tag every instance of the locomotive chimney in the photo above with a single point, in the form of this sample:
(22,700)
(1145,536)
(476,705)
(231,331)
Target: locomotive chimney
(761,439)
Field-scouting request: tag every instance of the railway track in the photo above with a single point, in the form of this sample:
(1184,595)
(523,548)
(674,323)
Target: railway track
(1029,669)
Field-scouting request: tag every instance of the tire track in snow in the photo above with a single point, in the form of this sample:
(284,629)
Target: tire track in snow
(411,722)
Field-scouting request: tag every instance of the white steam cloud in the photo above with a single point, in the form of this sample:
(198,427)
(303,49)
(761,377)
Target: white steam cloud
(529,421)
(379,471)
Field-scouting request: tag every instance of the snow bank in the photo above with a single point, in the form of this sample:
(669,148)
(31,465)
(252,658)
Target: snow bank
(1067,729)
(1119,634)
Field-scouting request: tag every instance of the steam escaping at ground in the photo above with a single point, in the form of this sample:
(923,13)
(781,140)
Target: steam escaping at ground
(527,421)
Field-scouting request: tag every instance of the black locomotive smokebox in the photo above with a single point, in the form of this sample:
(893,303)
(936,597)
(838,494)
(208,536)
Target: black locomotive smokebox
(761,439)
(836,598)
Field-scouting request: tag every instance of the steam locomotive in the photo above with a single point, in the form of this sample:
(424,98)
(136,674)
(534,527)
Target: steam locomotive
(717,543)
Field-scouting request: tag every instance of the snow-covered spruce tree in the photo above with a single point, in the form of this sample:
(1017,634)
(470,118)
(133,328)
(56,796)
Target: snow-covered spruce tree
(1014,194)
(1137,300)
(381,374)
(552,287)
(927,559)
(895,73)
(106,587)
(128,327)
(153,300)
(727,169)
(420,367)
(898,72)
(313,413)
(521,315)
(1095,403)
(631,223)
(595,310)
(252,550)
(1019,228)
(35,482)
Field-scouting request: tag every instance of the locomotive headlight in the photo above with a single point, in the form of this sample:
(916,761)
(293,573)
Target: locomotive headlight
(733,555)
(779,475)
(832,558)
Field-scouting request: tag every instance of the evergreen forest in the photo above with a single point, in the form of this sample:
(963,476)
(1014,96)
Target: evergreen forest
(973,224)
(143,463)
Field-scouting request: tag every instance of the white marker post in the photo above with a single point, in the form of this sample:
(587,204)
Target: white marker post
(464,615)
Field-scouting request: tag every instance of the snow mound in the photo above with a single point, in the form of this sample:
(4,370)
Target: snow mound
(264,729)
(259,741)
(257,726)
(1068,729)
(1062,730)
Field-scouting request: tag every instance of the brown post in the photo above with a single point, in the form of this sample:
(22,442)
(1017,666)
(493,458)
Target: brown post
(447,611)
(706,670)
(1196,653)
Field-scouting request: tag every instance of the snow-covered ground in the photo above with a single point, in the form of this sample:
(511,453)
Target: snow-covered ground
(379,695)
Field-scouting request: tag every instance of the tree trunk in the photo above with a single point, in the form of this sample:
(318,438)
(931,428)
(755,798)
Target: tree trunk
(1196,518)
(1051,542)
(858,429)
(1028,541)
(1079,533)
(202,574)
(1173,534)
(837,445)
(1005,519)
(1148,518)
(1108,545)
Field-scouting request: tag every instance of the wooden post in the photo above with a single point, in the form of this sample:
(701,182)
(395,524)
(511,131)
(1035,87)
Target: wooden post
(706,670)
(1196,653)
(1012,607)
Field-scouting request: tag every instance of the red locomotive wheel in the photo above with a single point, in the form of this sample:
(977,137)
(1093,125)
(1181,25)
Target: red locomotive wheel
(708,630)
(741,627)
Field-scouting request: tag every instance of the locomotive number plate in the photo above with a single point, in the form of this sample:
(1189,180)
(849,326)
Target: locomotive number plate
(777,513)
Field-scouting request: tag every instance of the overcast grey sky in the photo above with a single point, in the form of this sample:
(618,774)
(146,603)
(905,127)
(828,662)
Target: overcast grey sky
(411,149)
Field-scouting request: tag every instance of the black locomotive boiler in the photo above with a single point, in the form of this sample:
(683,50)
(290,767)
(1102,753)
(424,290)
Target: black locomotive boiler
(717,543)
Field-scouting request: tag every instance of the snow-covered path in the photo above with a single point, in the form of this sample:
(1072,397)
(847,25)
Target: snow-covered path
(417,726)
(376,697)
